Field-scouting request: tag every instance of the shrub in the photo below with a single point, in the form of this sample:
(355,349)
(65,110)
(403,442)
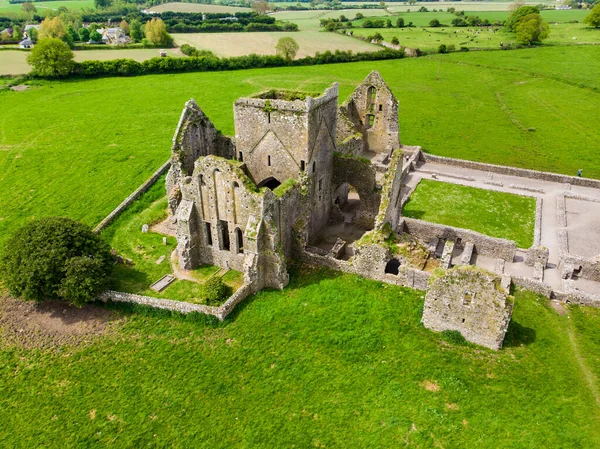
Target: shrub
(434,23)
(56,258)
(400,23)
(215,291)
(395,40)
(51,57)
(593,18)
(442,48)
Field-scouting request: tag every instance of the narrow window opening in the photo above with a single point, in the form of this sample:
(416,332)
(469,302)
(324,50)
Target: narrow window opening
(380,107)
(320,184)
(370,120)
(225,235)
(201,180)
(208,230)
(314,167)
(463,320)
(269,161)
(468,298)
(241,158)
(269,117)
(458,242)
(302,165)
(240,240)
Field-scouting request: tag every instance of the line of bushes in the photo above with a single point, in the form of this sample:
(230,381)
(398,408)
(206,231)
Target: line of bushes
(129,67)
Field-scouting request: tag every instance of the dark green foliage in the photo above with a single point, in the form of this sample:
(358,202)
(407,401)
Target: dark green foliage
(135,31)
(395,40)
(215,291)
(442,48)
(518,14)
(55,258)
(593,18)
(85,277)
(189,50)
(400,23)
(84,34)
(434,23)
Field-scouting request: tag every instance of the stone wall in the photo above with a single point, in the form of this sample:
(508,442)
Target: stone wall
(484,245)
(390,208)
(471,301)
(588,268)
(134,196)
(371,264)
(371,110)
(361,175)
(512,171)
(220,312)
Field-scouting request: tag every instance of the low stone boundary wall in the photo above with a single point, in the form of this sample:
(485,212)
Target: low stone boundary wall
(406,277)
(220,312)
(134,196)
(533,285)
(484,245)
(537,231)
(574,296)
(521,172)
(590,267)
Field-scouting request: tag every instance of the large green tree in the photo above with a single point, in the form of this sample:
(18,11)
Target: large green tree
(593,18)
(531,29)
(156,33)
(56,258)
(518,14)
(287,48)
(136,31)
(51,57)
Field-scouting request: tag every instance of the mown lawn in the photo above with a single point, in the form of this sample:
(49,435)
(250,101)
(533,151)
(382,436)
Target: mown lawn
(79,147)
(496,214)
(332,361)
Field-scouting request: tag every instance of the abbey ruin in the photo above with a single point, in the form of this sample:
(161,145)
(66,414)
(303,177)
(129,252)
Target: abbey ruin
(307,180)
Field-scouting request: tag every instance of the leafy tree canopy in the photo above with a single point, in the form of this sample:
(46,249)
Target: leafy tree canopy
(518,14)
(531,28)
(56,258)
(51,57)
(287,48)
(593,18)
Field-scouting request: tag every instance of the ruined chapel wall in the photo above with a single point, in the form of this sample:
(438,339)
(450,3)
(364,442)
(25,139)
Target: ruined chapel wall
(223,203)
(390,208)
(484,245)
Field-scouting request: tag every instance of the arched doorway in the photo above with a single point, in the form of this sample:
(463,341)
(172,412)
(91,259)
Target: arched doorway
(392,266)
(270,183)
(347,199)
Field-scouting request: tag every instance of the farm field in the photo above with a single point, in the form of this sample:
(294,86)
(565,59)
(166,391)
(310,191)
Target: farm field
(75,5)
(103,137)
(197,7)
(310,20)
(480,210)
(239,44)
(332,361)
(15,62)
(429,39)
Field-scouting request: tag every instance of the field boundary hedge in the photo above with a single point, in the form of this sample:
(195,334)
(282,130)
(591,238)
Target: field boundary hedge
(130,67)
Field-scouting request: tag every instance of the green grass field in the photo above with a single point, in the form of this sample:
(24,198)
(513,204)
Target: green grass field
(15,62)
(332,361)
(198,7)
(497,214)
(102,138)
(239,44)
(75,5)
(429,39)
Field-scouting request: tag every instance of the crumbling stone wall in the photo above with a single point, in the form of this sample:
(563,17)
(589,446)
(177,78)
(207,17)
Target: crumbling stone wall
(195,137)
(471,301)
(372,111)
(487,246)
(359,173)
(390,208)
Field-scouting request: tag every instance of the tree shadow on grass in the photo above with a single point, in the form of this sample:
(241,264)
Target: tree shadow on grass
(518,335)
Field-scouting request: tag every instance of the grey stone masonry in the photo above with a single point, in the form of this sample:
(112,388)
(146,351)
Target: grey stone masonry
(471,301)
